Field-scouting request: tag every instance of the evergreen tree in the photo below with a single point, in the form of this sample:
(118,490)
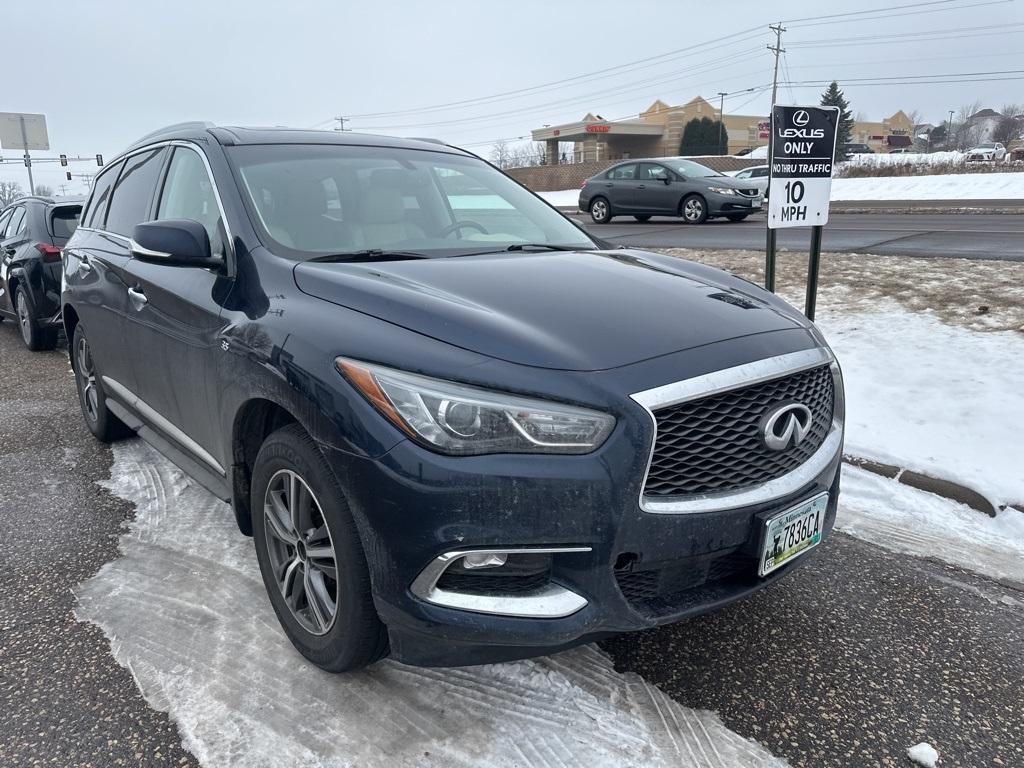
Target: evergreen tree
(833,97)
(703,136)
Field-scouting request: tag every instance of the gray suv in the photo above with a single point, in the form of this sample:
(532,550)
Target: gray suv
(667,187)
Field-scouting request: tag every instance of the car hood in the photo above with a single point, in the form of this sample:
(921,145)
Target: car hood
(571,310)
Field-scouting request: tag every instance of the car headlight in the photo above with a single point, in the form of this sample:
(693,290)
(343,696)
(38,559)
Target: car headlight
(722,190)
(462,420)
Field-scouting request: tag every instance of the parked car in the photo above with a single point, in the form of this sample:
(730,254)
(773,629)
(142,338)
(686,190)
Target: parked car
(756,177)
(991,150)
(458,429)
(667,187)
(32,232)
(857,149)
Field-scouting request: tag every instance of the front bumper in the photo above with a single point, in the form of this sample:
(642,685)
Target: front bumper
(413,506)
(724,205)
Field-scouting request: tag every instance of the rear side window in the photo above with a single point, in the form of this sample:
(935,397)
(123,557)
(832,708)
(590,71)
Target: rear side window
(4,218)
(623,172)
(100,197)
(17,222)
(133,192)
(64,221)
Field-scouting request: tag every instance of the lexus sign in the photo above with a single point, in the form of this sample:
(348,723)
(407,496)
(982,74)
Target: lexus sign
(803,145)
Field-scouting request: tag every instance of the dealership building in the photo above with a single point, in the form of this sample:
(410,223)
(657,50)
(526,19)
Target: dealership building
(658,130)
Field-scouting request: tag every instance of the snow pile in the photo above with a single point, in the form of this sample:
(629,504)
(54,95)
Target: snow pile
(924,754)
(944,401)
(911,158)
(947,186)
(563,198)
(186,612)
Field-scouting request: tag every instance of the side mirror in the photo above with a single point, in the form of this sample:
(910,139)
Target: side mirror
(667,179)
(174,243)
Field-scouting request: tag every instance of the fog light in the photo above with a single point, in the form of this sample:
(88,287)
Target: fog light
(484,560)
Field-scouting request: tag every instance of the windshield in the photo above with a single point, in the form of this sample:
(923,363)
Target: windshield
(986,146)
(692,170)
(311,200)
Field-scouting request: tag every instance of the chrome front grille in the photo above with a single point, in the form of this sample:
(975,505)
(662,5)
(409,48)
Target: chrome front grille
(714,445)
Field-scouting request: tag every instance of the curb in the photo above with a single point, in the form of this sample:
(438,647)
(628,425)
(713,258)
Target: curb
(945,488)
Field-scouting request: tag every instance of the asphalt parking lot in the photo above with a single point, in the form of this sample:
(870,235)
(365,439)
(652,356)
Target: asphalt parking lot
(858,655)
(981,235)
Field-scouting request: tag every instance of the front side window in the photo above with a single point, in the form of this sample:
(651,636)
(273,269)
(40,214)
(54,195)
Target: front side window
(652,172)
(101,196)
(623,172)
(311,200)
(133,192)
(188,194)
(692,170)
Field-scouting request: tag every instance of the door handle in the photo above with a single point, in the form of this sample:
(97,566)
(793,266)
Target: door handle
(609,185)
(642,186)
(137,298)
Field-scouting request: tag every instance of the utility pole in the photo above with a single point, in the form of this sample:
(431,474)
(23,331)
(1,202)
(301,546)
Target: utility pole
(777,49)
(949,128)
(721,119)
(341,124)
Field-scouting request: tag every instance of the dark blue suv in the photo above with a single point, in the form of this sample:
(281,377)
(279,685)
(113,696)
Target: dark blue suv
(458,427)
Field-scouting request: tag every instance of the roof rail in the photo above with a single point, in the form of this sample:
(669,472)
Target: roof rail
(191,125)
(431,140)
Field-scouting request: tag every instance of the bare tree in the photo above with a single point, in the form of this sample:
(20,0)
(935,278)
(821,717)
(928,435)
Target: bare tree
(9,192)
(44,191)
(1011,125)
(500,154)
(965,133)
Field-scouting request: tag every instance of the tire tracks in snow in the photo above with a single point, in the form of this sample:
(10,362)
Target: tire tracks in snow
(185,611)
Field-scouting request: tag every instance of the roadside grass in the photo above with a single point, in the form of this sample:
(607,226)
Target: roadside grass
(975,294)
(914,168)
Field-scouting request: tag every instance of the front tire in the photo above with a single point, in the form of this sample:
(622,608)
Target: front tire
(104,425)
(36,338)
(311,556)
(600,210)
(693,209)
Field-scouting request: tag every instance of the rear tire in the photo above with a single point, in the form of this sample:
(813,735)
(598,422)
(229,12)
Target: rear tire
(36,338)
(104,425)
(737,216)
(600,210)
(311,556)
(645,217)
(693,209)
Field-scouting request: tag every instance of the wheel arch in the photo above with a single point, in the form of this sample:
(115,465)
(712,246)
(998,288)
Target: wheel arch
(254,421)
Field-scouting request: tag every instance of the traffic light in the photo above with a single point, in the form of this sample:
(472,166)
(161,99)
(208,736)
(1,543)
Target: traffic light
(68,174)
(99,159)
(64,160)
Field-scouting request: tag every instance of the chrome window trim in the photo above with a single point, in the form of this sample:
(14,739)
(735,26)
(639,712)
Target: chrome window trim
(147,411)
(209,172)
(551,602)
(736,377)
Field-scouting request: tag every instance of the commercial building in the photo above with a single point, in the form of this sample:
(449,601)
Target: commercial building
(658,130)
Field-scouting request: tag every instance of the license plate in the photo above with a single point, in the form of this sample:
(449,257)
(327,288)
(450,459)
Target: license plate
(790,534)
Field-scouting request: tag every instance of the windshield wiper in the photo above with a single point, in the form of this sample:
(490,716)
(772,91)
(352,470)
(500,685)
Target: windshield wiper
(368,253)
(544,247)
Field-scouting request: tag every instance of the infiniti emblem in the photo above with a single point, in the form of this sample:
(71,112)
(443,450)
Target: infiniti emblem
(801,118)
(786,426)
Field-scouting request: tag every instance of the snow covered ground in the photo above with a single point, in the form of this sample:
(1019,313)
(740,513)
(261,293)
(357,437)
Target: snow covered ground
(185,610)
(887,160)
(945,401)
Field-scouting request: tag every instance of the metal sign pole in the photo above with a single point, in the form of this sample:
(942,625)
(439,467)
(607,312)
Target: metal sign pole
(769,261)
(812,272)
(28,157)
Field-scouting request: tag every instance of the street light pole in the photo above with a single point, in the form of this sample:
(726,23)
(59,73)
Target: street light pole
(949,128)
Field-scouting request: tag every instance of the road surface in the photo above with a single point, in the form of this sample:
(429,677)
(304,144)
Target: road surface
(972,236)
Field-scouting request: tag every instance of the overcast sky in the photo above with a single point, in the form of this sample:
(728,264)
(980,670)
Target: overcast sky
(105,73)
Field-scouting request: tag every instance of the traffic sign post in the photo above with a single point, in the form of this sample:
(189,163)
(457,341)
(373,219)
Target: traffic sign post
(19,130)
(800,182)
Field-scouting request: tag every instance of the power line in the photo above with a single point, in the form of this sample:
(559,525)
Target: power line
(886,13)
(981,31)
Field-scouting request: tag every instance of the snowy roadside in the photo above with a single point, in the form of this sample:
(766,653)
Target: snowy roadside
(932,386)
(948,186)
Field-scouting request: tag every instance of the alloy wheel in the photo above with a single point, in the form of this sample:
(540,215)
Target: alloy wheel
(301,552)
(86,373)
(24,318)
(693,209)
(599,210)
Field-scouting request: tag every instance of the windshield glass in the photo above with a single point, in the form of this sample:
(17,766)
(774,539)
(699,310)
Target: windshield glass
(986,146)
(692,170)
(310,200)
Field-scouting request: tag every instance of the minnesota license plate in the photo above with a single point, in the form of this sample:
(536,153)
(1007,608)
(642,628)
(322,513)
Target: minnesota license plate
(790,534)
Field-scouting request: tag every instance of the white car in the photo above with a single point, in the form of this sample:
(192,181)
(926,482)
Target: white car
(992,150)
(757,175)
